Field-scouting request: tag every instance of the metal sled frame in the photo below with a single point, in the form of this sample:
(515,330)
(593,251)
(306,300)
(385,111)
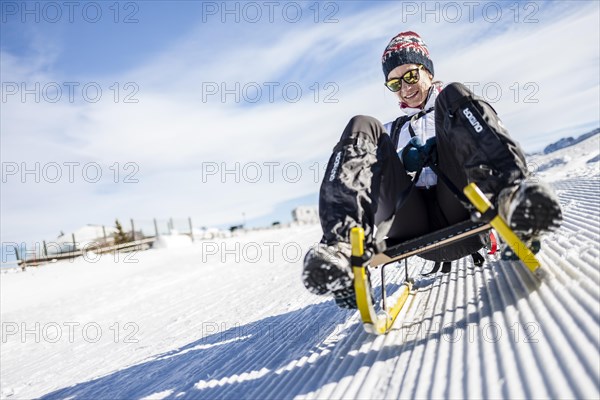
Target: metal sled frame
(381,322)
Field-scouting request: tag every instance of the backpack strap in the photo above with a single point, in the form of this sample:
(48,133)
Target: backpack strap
(416,117)
(400,121)
(396,126)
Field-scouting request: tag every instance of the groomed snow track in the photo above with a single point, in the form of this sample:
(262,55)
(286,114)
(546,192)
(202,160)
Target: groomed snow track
(478,332)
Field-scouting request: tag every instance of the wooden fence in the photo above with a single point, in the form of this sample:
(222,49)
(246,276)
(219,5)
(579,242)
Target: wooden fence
(103,246)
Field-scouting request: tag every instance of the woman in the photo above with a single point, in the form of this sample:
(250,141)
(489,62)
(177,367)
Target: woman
(368,180)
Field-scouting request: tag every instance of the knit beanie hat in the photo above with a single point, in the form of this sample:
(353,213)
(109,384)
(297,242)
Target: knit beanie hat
(405,48)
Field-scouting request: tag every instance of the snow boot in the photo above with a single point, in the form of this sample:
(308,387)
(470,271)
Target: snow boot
(530,209)
(478,259)
(346,298)
(327,269)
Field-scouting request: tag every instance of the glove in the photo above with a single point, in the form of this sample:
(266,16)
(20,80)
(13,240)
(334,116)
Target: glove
(429,150)
(415,155)
(411,157)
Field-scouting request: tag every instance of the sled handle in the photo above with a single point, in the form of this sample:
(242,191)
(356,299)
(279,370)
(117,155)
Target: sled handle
(373,322)
(357,239)
(361,283)
(483,205)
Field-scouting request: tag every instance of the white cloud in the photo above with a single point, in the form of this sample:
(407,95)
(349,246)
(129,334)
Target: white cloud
(555,69)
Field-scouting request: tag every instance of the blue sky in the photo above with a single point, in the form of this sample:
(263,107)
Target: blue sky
(190,90)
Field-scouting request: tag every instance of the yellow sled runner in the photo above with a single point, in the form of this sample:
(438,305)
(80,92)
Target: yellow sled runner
(380,322)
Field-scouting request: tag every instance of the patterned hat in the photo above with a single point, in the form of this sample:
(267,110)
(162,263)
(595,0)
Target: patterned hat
(405,48)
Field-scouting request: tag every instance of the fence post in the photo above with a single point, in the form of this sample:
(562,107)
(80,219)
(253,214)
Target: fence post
(20,262)
(45,249)
(104,234)
(132,231)
(74,243)
(17,253)
(156,228)
(191,229)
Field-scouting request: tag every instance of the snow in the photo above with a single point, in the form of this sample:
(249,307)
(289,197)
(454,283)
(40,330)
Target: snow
(578,161)
(230,318)
(172,241)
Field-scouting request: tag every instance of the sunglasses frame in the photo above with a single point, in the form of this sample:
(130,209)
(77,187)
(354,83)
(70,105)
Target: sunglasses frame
(403,78)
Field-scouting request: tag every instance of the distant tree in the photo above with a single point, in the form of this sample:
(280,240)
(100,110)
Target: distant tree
(120,236)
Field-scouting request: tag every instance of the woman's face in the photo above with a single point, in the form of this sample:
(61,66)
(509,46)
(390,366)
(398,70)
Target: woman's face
(413,95)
